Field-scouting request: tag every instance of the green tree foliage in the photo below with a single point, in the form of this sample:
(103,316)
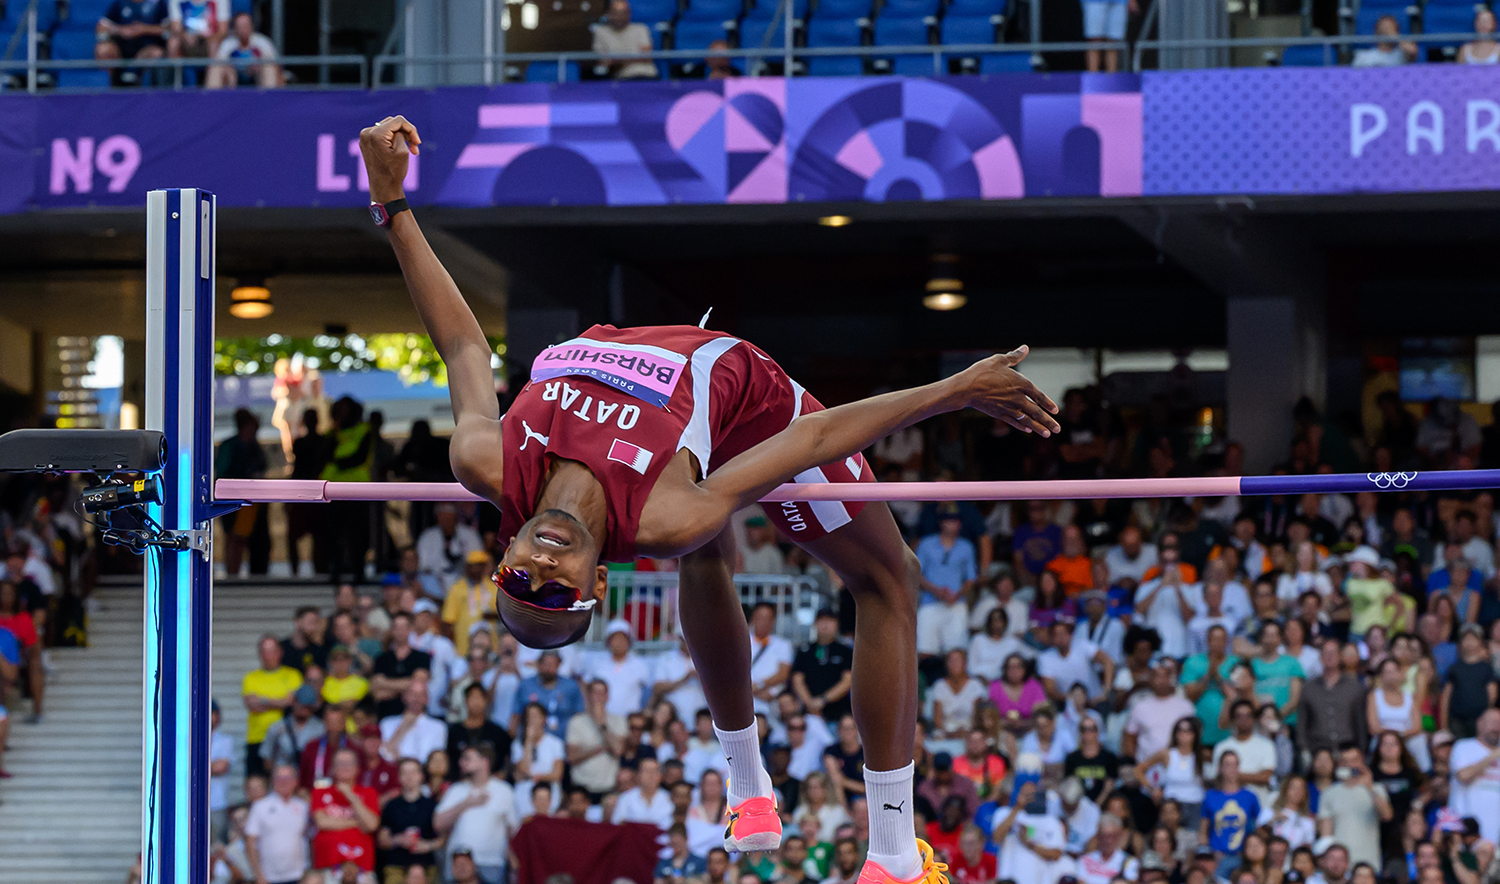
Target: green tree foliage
(412,357)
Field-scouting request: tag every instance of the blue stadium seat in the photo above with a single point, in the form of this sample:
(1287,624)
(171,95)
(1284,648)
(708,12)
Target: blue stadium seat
(910,9)
(830,32)
(711,11)
(1371,12)
(894,30)
(843,9)
(695,35)
(958,30)
(72,44)
(1308,56)
(84,14)
(239,6)
(546,72)
(1005,63)
(1445,18)
(977,7)
(653,12)
(765,10)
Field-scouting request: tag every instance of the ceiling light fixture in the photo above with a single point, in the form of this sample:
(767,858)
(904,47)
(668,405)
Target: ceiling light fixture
(250,300)
(835,220)
(944,288)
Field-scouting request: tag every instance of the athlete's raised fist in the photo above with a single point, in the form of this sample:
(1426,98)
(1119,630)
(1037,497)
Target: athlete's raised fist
(387,147)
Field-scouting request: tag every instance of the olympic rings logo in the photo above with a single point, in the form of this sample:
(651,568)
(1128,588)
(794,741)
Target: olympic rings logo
(1385,481)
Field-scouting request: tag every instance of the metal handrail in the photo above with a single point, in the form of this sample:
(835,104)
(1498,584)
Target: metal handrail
(1329,40)
(647,602)
(381,62)
(36,65)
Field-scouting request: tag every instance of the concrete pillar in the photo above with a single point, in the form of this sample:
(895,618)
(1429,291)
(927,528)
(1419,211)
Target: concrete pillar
(1277,355)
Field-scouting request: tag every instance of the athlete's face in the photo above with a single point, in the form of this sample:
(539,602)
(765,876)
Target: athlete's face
(560,561)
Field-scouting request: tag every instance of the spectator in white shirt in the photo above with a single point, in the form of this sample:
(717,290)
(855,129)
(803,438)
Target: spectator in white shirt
(276,832)
(703,750)
(413,733)
(989,648)
(620,36)
(1152,719)
(244,43)
(953,700)
(760,554)
(1130,559)
(442,550)
(648,802)
(1475,786)
(677,680)
(770,658)
(627,675)
(1210,615)
(478,814)
(1071,661)
(197,26)
(445,659)
(1257,754)
(1480,555)
(1108,860)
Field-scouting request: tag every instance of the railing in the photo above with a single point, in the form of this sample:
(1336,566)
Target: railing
(176,66)
(382,63)
(648,602)
(1331,44)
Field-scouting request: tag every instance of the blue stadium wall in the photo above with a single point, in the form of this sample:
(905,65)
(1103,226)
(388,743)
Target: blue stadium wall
(747,141)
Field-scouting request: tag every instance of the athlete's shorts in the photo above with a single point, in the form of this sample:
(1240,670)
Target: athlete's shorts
(753,399)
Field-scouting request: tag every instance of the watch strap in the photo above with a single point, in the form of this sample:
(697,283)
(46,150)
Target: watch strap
(395,207)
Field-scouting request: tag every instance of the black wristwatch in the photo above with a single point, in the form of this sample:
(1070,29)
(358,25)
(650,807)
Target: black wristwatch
(382,213)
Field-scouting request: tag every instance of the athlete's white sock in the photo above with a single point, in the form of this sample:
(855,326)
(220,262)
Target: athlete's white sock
(747,776)
(893,838)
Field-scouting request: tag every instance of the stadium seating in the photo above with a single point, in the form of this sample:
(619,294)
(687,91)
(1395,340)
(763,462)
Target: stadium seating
(546,72)
(1308,56)
(927,9)
(765,10)
(1371,11)
(895,30)
(958,30)
(74,44)
(695,35)
(1446,17)
(711,11)
(831,32)
(1005,63)
(830,9)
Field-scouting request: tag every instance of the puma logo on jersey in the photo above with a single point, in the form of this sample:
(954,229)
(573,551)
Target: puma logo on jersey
(532,434)
(590,410)
(895,807)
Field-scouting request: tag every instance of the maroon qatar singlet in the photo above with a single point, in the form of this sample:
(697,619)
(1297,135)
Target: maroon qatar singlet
(622,402)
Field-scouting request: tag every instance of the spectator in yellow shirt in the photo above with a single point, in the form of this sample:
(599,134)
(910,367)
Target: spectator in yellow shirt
(471,600)
(343,688)
(267,693)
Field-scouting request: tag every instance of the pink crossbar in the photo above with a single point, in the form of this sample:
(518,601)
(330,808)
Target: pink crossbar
(315,491)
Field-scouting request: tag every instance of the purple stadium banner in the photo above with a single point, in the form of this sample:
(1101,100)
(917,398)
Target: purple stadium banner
(1322,130)
(731,141)
(873,139)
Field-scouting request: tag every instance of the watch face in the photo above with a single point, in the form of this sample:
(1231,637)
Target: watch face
(377,214)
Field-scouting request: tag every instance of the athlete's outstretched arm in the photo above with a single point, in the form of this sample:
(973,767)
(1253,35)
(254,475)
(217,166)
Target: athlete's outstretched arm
(387,147)
(992,386)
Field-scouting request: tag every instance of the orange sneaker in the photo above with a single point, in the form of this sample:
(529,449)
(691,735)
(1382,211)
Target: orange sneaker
(753,825)
(932,870)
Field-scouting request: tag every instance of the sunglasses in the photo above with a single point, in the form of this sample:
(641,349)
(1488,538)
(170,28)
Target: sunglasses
(552,595)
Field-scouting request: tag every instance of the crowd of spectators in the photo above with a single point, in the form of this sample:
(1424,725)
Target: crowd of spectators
(44,578)
(1282,690)
(203,29)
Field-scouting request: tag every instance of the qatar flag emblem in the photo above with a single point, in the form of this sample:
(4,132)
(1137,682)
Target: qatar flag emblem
(633,456)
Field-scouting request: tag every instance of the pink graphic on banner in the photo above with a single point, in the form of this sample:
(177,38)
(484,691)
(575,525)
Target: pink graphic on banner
(1000,176)
(514,116)
(490,156)
(860,155)
(647,373)
(690,114)
(1117,119)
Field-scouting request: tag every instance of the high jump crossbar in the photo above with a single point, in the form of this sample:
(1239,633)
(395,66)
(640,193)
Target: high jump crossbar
(314,491)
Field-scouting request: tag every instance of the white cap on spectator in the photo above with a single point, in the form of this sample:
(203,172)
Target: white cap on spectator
(427,605)
(616,626)
(1365,554)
